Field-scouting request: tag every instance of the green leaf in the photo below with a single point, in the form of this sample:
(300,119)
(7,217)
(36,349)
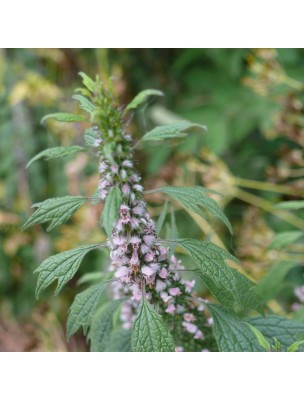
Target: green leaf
(83,308)
(290,205)
(295,346)
(87,81)
(230,332)
(62,267)
(284,239)
(176,130)
(271,284)
(55,152)
(142,98)
(57,210)
(263,342)
(228,285)
(90,135)
(120,341)
(149,331)
(110,212)
(63,117)
(194,198)
(102,325)
(161,218)
(85,103)
(285,330)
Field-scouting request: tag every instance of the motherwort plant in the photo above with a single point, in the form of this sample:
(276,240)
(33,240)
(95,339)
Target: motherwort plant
(153,306)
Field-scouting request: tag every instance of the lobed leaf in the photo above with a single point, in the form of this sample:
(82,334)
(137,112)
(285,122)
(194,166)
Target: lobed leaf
(228,285)
(63,117)
(102,325)
(62,267)
(84,103)
(176,130)
(194,198)
(83,308)
(149,331)
(142,97)
(286,331)
(110,212)
(56,211)
(231,333)
(55,152)
(290,205)
(284,239)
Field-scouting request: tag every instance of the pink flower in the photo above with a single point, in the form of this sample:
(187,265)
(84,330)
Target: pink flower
(134,223)
(137,187)
(165,297)
(144,249)
(189,327)
(163,273)
(199,335)
(122,271)
(188,317)
(163,254)
(114,168)
(148,271)
(149,239)
(127,163)
(135,240)
(118,240)
(170,309)
(189,285)
(125,188)
(179,349)
(149,257)
(174,291)
(139,209)
(160,285)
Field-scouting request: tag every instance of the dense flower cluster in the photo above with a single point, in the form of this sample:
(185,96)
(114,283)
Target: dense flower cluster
(141,265)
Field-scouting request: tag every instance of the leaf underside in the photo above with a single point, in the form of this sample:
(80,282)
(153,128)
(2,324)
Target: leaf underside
(142,97)
(63,117)
(176,130)
(55,152)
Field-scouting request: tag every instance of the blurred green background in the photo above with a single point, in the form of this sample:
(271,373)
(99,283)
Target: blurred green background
(250,99)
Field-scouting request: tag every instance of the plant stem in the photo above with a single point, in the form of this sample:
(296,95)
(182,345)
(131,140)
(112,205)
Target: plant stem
(270,187)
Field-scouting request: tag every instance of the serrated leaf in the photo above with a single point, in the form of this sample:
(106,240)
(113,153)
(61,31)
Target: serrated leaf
(120,341)
(55,152)
(263,342)
(228,285)
(142,98)
(161,218)
(290,205)
(284,239)
(285,330)
(84,103)
(295,346)
(176,130)
(83,308)
(57,211)
(87,81)
(194,198)
(102,325)
(149,331)
(271,284)
(62,267)
(63,117)
(230,332)
(110,212)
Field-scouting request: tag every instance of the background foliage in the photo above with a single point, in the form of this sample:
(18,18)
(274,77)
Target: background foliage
(252,104)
